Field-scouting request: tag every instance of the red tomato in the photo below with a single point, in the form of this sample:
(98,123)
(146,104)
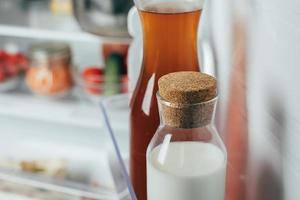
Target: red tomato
(11,66)
(93,80)
(21,61)
(3,55)
(93,74)
(2,74)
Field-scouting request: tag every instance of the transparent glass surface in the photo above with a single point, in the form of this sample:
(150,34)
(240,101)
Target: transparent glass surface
(115,112)
(187,163)
(170,35)
(169,6)
(40,160)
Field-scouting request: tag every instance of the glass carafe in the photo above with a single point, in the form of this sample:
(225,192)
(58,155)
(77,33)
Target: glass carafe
(186,163)
(170,30)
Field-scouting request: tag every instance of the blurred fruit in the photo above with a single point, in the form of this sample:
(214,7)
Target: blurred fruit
(2,74)
(93,74)
(22,61)
(3,55)
(11,64)
(93,80)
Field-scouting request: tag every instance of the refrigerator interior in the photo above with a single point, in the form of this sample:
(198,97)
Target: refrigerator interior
(52,148)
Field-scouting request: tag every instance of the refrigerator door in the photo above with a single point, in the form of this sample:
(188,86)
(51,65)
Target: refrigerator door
(259,88)
(273,100)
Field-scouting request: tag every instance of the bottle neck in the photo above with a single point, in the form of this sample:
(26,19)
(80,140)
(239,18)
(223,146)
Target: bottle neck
(186,116)
(170,41)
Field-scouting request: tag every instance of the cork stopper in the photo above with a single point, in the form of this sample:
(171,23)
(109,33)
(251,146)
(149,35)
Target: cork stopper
(188,95)
(187,87)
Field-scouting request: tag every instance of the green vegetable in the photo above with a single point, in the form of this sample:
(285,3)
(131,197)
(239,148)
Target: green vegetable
(113,72)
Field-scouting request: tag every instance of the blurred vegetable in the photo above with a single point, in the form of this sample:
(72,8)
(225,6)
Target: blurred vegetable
(93,80)
(113,72)
(11,64)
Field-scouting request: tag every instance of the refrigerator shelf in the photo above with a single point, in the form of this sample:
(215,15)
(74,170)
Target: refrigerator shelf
(67,111)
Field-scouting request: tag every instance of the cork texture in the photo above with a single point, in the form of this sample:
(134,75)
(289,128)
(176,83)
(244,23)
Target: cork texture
(187,87)
(188,95)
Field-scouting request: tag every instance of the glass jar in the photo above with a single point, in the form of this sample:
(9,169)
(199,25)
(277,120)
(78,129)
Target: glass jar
(49,73)
(186,159)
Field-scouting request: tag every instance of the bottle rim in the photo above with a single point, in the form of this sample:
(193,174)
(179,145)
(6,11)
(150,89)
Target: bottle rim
(181,105)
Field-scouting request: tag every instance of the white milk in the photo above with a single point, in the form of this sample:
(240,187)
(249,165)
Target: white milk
(190,171)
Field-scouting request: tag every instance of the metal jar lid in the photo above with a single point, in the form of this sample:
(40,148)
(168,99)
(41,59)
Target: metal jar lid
(46,51)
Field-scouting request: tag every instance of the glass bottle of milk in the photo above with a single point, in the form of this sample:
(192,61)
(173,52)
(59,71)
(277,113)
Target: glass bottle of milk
(186,159)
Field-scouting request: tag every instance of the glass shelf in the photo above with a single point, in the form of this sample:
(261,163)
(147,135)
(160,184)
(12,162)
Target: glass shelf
(93,171)
(109,106)
(86,172)
(33,19)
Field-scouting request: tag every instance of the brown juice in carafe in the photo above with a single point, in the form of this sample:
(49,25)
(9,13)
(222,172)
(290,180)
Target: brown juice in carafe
(170,44)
